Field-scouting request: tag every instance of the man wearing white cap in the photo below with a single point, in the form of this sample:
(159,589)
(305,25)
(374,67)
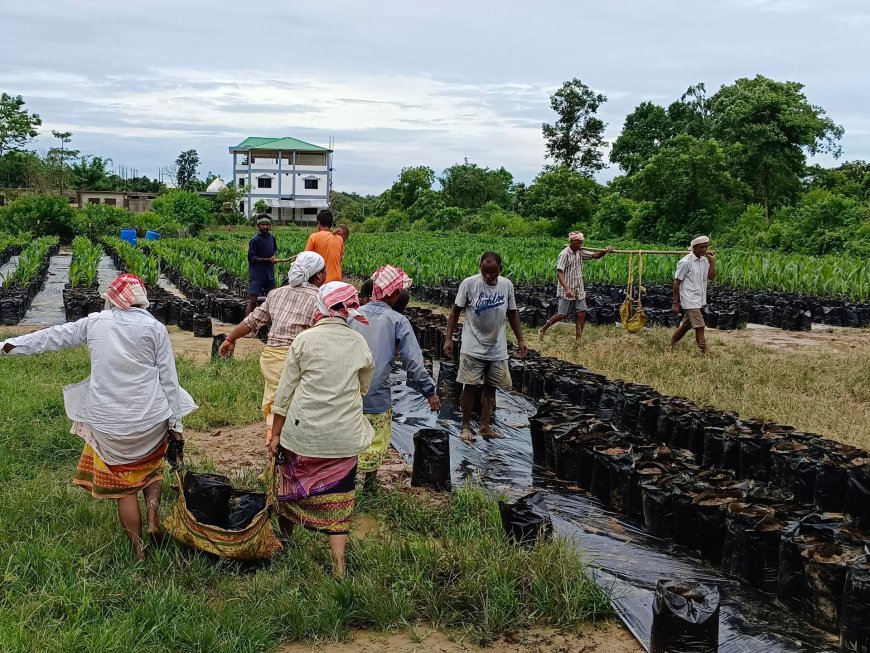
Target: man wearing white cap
(570,290)
(690,290)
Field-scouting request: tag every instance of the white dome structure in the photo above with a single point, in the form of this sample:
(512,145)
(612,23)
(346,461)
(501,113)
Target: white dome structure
(216,185)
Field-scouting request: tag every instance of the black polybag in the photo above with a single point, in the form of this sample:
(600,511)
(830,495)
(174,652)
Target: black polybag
(201,326)
(207,497)
(243,507)
(685,618)
(431,459)
(216,343)
(855,617)
(527,519)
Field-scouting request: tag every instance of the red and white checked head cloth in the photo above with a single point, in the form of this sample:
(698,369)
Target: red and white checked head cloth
(338,292)
(127,290)
(389,279)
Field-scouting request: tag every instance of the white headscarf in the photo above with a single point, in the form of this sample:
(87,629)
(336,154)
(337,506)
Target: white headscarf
(306,265)
(700,240)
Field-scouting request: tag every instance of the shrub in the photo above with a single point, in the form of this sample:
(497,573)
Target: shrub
(97,220)
(187,209)
(39,215)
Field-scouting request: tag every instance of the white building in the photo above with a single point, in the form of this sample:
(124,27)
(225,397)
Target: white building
(291,176)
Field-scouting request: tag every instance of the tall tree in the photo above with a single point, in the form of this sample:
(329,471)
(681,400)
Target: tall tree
(769,127)
(17,125)
(690,114)
(689,185)
(89,173)
(58,157)
(566,197)
(187,165)
(411,183)
(575,140)
(646,129)
(468,186)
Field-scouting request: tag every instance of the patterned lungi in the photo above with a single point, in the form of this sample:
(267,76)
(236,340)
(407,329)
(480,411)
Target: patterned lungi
(318,493)
(116,481)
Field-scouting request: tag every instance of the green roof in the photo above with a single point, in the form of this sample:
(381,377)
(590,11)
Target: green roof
(284,143)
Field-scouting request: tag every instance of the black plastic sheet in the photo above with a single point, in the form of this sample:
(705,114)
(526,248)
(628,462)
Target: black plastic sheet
(626,559)
(685,618)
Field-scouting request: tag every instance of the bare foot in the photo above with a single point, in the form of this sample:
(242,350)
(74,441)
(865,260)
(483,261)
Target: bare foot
(541,334)
(489,434)
(467,435)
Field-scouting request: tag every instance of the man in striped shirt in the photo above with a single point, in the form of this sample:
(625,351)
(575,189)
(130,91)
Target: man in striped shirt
(570,290)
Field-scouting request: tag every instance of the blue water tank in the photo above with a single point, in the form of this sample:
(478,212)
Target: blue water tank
(152,235)
(129,235)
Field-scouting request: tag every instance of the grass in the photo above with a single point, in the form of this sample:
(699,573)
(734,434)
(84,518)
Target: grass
(816,389)
(68,582)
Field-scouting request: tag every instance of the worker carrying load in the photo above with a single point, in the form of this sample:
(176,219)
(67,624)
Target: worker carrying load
(690,290)
(570,290)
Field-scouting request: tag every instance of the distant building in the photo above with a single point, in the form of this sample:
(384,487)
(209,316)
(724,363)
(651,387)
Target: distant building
(291,176)
(134,202)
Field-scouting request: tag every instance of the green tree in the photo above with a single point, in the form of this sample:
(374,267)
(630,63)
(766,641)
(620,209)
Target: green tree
(468,186)
(851,178)
(226,205)
(89,173)
(612,216)
(411,183)
(575,140)
(17,125)
(187,165)
(646,129)
(563,196)
(689,185)
(428,204)
(18,169)
(187,209)
(690,115)
(768,128)
(260,207)
(58,159)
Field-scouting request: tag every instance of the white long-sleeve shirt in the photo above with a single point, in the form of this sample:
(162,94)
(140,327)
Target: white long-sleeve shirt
(133,384)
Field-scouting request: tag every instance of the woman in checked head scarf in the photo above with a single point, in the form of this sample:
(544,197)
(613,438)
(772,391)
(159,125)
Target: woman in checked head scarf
(319,428)
(128,408)
(288,310)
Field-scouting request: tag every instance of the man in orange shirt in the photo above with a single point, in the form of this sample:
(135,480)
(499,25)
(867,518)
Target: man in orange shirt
(329,245)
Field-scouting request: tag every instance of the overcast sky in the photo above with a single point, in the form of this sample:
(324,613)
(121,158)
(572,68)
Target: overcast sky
(399,83)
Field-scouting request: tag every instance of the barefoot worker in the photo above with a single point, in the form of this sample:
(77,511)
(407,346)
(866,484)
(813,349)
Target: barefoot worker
(129,406)
(386,330)
(690,290)
(319,425)
(262,253)
(570,290)
(288,310)
(489,302)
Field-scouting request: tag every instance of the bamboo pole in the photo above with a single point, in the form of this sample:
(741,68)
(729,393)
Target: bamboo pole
(640,251)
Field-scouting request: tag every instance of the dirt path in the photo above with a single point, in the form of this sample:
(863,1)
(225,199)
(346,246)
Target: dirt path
(610,638)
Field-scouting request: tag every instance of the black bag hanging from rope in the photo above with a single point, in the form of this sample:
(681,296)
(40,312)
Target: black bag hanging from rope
(431,459)
(526,520)
(685,618)
(243,507)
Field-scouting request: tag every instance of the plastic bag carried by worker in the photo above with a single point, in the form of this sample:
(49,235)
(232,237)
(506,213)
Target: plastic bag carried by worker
(254,541)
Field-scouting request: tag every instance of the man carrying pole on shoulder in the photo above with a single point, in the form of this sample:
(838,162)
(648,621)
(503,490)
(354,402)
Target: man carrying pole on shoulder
(570,290)
(690,290)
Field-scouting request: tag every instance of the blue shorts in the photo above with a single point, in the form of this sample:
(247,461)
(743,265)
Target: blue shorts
(261,287)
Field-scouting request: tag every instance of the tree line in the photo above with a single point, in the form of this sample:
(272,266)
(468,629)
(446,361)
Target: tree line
(733,164)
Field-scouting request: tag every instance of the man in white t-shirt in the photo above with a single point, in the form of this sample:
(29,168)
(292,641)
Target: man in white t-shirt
(489,302)
(570,291)
(690,290)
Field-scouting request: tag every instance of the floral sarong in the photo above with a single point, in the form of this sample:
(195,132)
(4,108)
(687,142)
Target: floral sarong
(116,481)
(372,458)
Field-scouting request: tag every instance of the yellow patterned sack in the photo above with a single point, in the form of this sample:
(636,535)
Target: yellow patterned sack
(631,313)
(255,542)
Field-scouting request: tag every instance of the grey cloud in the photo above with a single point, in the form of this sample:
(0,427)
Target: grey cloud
(263,108)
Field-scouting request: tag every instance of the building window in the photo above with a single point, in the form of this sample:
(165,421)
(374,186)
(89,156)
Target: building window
(244,161)
(93,200)
(309,211)
(311,184)
(264,182)
(241,207)
(241,182)
(111,201)
(252,159)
